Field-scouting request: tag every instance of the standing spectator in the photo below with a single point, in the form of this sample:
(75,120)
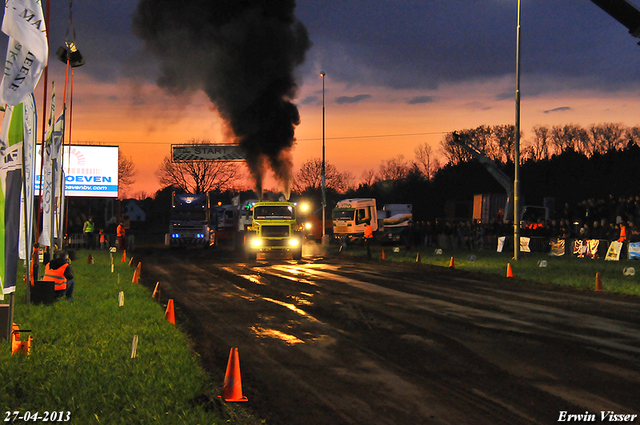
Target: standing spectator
(103,240)
(407,235)
(87,230)
(368,236)
(121,235)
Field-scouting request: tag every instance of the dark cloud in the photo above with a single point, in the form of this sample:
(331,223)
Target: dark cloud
(413,44)
(309,100)
(421,99)
(560,109)
(342,100)
(422,44)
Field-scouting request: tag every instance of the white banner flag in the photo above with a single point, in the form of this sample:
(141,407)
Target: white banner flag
(56,154)
(27,51)
(45,200)
(28,152)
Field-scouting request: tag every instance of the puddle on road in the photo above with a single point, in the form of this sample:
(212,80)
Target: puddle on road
(292,308)
(253,278)
(273,333)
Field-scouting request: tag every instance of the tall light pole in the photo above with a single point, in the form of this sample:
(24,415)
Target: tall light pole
(322,172)
(516,153)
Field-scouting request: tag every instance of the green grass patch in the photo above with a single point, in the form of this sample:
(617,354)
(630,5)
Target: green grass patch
(566,270)
(81,361)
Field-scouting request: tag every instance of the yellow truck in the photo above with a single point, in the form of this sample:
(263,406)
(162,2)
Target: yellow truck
(274,229)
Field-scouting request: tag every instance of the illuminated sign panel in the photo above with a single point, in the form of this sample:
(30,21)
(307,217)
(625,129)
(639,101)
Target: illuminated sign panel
(90,171)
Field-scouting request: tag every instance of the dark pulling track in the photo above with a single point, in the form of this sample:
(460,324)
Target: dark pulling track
(333,341)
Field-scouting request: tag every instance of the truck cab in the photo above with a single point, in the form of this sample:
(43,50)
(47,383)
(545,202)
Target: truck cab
(274,229)
(350,216)
(191,223)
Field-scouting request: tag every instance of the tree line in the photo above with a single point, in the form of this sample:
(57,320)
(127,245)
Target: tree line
(568,162)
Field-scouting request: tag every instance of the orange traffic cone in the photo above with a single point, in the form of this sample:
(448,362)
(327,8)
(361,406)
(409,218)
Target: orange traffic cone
(598,282)
(136,273)
(169,314)
(131,262)
(509,271)
(418,258)
(156,292)
(383,254)
(232,388)
(451,264)
(124,255)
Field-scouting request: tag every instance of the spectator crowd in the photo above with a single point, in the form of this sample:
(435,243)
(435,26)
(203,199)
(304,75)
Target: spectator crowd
(610,219)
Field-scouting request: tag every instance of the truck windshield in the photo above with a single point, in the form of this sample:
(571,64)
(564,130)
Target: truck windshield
(343,214)
(198,215)
(274,212)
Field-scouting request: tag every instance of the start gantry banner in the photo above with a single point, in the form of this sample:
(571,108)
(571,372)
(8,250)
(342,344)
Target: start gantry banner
(181,153)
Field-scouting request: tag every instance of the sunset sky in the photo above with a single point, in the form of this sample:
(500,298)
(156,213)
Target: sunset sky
(398,74)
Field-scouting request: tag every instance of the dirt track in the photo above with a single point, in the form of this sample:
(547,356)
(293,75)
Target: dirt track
(331,341)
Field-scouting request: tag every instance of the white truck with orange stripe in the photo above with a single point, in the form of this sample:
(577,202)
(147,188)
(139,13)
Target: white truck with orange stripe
(350,216)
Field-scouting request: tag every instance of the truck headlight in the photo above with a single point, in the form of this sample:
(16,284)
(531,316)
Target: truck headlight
(307,226)
(256,242)
(294,242)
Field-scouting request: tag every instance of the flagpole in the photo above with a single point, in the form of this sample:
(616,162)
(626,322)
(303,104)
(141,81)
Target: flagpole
(66,224)
(27,242)
(44,129)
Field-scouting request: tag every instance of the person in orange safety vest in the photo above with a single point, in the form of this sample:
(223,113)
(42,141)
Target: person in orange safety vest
(103,239)
(60,272)
(368,236)
(623,233)
(121,235)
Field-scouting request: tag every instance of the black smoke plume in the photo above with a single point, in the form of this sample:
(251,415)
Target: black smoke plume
(243,54)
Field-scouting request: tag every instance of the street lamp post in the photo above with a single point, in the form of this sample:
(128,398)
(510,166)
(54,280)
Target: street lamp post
(516,153)
(325,239)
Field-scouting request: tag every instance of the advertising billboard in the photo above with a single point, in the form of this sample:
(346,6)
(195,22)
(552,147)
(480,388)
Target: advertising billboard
(90,171)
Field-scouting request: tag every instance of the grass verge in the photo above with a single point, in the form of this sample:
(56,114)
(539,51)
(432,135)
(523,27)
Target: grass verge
(566,270)
(81,361)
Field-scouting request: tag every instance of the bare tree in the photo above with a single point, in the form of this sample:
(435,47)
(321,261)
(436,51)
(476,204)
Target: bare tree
(308,177)
(632,135)
(198,176)
(607,136)
(394,169)
(539,149)
(368,177)
(126,173)
(451,147)
(570,136)
(504,139)
(425,161)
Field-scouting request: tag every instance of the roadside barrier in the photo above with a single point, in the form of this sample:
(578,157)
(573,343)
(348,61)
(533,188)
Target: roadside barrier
(232,388)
